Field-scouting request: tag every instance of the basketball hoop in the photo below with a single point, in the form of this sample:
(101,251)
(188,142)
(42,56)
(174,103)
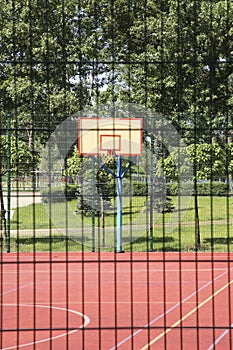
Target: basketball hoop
(109,138)
(108,156)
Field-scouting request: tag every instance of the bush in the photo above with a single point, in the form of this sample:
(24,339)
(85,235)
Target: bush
(173,189)
(56,195)
(135,189)
(71,192)
(213,188)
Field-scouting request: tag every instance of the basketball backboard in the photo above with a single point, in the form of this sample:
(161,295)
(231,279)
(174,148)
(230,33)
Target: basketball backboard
(98,136)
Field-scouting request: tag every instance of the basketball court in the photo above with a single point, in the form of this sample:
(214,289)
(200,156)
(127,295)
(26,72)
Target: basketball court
(116,301)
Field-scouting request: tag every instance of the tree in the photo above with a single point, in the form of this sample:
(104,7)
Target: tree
(176,58)
(95,188)
(229,161)
(173,56)
(74,163)
(157,188)
(41,79)
(16,159)
(209,161)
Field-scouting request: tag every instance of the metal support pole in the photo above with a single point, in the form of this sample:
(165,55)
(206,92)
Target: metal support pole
(119,176)
(119,206)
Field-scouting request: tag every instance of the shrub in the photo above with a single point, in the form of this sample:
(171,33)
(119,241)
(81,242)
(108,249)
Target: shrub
(135,189)
(213,188)
(56,195)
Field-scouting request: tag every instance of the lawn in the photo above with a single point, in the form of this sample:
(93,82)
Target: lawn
(171,231)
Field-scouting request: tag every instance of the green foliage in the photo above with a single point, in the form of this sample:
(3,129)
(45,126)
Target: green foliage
(135,189)
(174,188)
(36,41)
(208,159)
(22,160)
(74,163)
(229,157)
(57,195)
(191,44)
(71,191)
(52,195)
(213,188)
(56,58)
(96,189)
(202,161)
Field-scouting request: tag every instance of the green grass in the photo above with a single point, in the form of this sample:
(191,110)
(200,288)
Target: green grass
(172,231)
(30,217)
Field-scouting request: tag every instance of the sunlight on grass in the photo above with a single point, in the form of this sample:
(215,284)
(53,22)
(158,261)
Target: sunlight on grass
(171,231)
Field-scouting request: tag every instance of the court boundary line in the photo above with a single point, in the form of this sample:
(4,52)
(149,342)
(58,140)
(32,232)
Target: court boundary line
(212,346)
(123,341)
(169,329)
(84,325)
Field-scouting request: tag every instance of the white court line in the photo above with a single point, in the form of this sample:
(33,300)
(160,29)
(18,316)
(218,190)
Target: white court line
(16,289)
(212,346)
(168,311)
(85,324)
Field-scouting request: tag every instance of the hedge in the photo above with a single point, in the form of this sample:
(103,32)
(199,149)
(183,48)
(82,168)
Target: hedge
(56,195)
(214,188)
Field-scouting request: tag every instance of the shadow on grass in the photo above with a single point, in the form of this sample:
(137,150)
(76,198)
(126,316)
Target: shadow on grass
(61,243)
(176,210)
(146,239)
(44,240)
(219,240)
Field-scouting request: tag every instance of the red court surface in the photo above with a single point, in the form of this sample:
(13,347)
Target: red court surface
(116,301)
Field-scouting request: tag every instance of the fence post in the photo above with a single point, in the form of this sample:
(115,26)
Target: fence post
(93,208)
(8,183)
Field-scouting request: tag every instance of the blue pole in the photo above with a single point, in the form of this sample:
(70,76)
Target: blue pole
(119,176)
(119,206)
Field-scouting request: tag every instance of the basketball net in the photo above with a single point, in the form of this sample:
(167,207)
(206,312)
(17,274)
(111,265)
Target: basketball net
(108,156)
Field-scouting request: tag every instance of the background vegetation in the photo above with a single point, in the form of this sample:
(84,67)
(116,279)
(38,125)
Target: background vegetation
(172,56)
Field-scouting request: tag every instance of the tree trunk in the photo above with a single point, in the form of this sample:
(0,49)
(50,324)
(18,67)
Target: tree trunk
(102,221)
(3,215)
(230,140)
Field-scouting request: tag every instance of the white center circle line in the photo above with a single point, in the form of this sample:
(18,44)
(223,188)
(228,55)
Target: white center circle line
(85,324)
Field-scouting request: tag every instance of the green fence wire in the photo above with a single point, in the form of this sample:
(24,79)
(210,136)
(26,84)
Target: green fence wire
(169,63)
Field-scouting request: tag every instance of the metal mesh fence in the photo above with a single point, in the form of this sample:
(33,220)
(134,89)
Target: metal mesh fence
(165,204)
